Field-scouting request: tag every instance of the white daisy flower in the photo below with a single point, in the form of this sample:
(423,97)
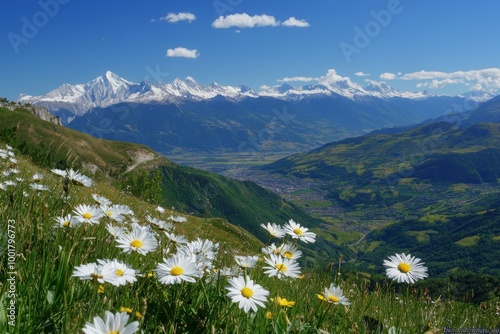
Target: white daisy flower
(115,231)
(87,213)
(140,239)
(290,251)
(14,171)
(95,272)
(246,261)
(124,209)
(281,267)
(204,250)
(177,219)
(163,225)
(3,186)
(112,323)
(66,221)
(246,293)
(160,209)
(79,179)
(176,239)
(272,249)
(37,177)
(124,273)
(334,295)
(274,230)
(405,268)
(100,200)
(59,172)
(38,187)
(111,212)
(299,232)
(177,269)
(10,183)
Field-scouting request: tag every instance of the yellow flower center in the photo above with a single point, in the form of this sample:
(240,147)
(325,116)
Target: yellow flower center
(288,255)
(109,213)
(297,231)
(269,315)
(281,267)
(247,292)
(37,180)
(136,243)
(333,299)
(66,224)
(113,332)
(119,272)
(87,215)
(404,267)
(277,251)
(176,271)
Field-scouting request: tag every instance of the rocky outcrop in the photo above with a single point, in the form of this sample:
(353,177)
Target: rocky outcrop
(40,112)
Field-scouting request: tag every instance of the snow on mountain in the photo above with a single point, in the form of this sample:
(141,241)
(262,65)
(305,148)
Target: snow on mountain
(110,89)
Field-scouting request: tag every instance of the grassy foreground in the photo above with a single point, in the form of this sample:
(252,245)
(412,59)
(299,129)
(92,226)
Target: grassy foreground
(39,293)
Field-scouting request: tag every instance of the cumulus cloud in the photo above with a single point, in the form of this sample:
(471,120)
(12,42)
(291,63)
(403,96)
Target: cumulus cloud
(487,79)
(361,74)
(387,76)
(174,18)
(294,79)
(293,22)
(244,21)
(182,52)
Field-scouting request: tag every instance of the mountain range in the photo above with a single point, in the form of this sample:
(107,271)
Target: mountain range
(186,116)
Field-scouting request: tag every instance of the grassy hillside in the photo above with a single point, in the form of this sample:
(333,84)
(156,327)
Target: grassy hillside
(42,290)
(205,194)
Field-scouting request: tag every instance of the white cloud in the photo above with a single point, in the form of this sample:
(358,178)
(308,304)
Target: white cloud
(245,21)
(293,22)
(173,18)
(294,79)
(387,76)
(487,79)
(361,74)
(182,52)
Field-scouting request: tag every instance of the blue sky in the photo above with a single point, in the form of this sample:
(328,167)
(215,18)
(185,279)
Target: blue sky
(448,47)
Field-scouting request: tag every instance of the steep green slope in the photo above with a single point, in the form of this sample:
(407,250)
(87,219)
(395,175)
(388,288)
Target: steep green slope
(469,241)
(244,204)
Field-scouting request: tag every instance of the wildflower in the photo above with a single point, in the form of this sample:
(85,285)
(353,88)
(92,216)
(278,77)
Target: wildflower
(95,272)
(246,261)
(176,239)
(124,209)
(87,214)
(274,230)
(59,172)
(112,212)
(177,219)
(66,221)
(124,273)
(405,268)
(334,295)
(79,179)
(290,251)
(299,232)
(272,249)
(159,223)
(246,293)
(281,267)
(37,178)
(100,200)
(140,239)
(38,187)
(112,323)
(115,231)
(283,302)
(126,309)
(177,269)
(204,250)
(100,289)
(160,209)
